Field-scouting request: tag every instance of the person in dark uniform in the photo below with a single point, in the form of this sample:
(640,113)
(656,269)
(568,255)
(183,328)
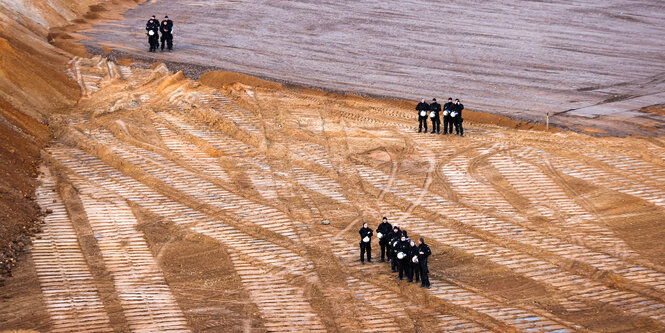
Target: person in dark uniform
(402,250)
(414,266)
(382,232)
(434,110)
(458,107)
(447,119)
(394,240)
(422,108)
(405,234)
(365,243)
(389,243)
(152,30)
(423,253)
(166,28)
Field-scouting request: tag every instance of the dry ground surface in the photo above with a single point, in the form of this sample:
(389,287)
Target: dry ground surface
(592,64)
(198,205)
(173,204)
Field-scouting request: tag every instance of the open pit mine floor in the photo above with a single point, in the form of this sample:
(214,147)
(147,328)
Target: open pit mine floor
(593,65)
(175,206)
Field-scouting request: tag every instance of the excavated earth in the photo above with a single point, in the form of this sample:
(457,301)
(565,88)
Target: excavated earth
(592,64)
(229,203)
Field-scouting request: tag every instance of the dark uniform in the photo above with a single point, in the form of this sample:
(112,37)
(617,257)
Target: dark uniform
(395,236)
(402,264)
(382,231)
(365,246)
(459,130)
(423,253)
(447,119)
(166,28)
(414,267)
(435,109)
(422,109)
(153,40)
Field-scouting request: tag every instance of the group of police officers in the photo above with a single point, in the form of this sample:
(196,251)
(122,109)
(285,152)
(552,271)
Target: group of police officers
(405,257)
(153,28)
(452,116)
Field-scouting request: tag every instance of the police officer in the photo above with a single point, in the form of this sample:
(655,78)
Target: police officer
(412,261)
(458,107)
(382,232)
(402,252)
(394,240)
(365,243)
(152,30)
(422,108)
(423,253)
(447,119)
(434,110)
(166,28)
(404,233)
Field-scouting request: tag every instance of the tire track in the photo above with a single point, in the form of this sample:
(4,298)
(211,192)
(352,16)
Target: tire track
(68,286)
(146,298)
(535,268)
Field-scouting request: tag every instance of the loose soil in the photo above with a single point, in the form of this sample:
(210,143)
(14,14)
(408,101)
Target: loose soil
(231,203)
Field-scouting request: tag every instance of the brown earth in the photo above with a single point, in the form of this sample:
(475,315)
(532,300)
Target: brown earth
(232,204)
(299,154)
(34,49)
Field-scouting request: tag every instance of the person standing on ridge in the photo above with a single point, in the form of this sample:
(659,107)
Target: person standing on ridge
(422,108)
(434,110)
(152,30)
(166,28)
(457,111)
(365,243)
(382,232)
(447,119)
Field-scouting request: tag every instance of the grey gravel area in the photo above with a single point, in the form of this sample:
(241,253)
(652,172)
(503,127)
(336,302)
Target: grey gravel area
(588,63)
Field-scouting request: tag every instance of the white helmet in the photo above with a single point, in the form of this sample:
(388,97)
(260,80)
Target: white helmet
(453,114)
(151,32)
(414,259)
(380,235)
(446,112)
(432,114)
(366,239)
(401,255)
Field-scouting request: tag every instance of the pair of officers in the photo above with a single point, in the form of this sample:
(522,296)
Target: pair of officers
(452,116)
(405,257)
(154,27)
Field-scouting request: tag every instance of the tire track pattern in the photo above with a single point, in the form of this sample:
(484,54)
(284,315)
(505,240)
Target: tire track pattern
(67,285)
(540,270)
(145,296)
(465,298)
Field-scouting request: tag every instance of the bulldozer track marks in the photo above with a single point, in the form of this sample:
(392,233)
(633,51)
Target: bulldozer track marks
(66,282)
(275,188)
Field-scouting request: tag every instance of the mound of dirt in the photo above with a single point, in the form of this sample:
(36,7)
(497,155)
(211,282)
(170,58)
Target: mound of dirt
(218,79)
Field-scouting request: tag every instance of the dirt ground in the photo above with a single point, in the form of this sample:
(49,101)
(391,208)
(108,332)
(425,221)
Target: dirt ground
(233,204)
(222,187)
(33,83)
(591,64)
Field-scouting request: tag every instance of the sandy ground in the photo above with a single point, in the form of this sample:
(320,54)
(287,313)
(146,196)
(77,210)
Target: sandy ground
(181,205)
(591,64)
(232,204)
